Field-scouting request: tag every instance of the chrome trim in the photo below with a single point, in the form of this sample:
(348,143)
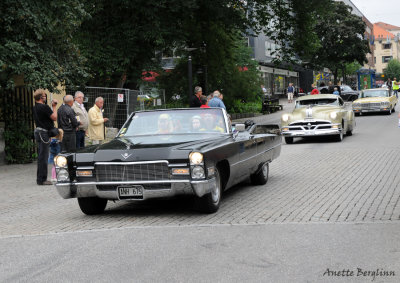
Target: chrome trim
(85,168)
(131,163)
(178,165)
(178,187)
(123,182)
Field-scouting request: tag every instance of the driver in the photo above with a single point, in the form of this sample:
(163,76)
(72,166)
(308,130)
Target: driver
(210,124)
(165,125)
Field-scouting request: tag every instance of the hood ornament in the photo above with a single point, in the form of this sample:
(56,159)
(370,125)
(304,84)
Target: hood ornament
(309,112)
(125,155)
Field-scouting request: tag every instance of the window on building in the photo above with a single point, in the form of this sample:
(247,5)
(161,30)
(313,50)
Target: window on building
(374,60)
(386,59)
(386,46)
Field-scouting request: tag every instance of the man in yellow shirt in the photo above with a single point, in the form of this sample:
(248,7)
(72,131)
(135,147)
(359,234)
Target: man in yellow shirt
(395,87)
(96,121)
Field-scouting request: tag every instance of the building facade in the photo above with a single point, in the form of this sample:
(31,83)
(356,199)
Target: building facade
(386,45)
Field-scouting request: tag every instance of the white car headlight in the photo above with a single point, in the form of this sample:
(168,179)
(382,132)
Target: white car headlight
(356,105)
(198,172)
(385,104)
(196,158)
(285,117)
(62,175)
(60,161)
(333,115)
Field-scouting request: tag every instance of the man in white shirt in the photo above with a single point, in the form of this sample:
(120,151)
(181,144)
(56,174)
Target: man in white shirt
(81,116)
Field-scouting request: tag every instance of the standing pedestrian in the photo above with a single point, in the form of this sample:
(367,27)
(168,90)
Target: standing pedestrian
(314,89)
(44,118)
(204,102)
(96,121)
(195,99)
(216,101)
(395,87)
(67,121)
(55,149)
(290,92)
(389,85)
(82,117)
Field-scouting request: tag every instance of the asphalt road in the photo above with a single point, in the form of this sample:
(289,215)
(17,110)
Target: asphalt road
(330,212)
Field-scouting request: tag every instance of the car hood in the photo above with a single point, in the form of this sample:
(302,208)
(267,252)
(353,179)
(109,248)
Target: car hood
(318,112)
(371,99)
(165,147)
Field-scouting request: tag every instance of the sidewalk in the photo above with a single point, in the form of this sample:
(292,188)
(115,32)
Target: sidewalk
(272,117)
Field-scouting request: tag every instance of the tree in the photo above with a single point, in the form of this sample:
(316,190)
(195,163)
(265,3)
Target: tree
(393,69)
(36,43)
(341,36)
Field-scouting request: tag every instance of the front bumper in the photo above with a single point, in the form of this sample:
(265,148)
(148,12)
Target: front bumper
(108,190)
(301,131)
(358,110)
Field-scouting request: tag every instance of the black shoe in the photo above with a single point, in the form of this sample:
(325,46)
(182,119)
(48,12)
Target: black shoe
(45,183)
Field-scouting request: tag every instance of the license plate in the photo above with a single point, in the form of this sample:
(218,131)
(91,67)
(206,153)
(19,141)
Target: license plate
(130,192)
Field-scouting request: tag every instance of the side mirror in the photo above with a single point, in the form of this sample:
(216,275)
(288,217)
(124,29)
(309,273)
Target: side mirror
(240,127)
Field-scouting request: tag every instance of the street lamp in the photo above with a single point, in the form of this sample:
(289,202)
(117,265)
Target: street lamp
(190,73)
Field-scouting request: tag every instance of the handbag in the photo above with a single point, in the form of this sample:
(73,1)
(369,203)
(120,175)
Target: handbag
(53,132)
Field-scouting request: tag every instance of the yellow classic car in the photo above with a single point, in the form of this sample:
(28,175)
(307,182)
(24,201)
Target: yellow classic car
(375,100)
(318,115)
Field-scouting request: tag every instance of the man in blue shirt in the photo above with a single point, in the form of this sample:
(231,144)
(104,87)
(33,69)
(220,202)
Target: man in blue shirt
(216,101)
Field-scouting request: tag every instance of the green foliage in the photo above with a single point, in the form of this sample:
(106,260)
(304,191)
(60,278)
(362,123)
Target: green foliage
(393,69)
(18,143)
(340,34)
(36,42)
(239,106)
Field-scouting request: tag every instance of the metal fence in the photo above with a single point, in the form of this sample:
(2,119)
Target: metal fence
(119,103)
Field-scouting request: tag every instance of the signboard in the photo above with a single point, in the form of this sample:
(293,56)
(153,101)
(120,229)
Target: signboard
(120,97)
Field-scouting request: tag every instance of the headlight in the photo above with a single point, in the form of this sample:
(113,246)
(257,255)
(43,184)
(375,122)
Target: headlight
(196,158)
(60,161)
(356,105)
(62,175)
(385,104)
(333,115)
(198,172)
(285,117)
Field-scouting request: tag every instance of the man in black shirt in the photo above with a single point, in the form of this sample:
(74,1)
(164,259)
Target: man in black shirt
(44,117)
(195,99)
(67,121)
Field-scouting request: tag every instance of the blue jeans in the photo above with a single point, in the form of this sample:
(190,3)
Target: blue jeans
(43,145)
(80,139)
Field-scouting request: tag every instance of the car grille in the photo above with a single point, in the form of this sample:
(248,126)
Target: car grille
(310,125)
(145,171)
(369,106)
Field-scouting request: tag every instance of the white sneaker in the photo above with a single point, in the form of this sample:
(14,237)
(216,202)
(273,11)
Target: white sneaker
(53,180)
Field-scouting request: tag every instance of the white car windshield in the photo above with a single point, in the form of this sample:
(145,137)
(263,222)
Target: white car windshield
(317,102)
(175,122)
(375,93)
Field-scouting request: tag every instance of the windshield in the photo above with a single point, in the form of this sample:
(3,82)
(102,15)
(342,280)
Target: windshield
(375,93)
(346,88)
(319,102)
(171,122)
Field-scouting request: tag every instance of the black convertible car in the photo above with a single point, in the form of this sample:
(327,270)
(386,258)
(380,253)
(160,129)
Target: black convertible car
(164,153)
(345,91)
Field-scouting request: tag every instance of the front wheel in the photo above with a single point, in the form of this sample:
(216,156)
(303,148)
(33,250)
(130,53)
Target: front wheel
(339,137)
(209,203)
(289,140)
(92,205)
(261,176)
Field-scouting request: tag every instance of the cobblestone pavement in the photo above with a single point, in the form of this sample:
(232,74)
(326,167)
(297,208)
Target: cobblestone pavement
(313,181)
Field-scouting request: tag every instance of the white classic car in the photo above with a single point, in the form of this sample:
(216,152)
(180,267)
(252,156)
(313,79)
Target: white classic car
(318,115)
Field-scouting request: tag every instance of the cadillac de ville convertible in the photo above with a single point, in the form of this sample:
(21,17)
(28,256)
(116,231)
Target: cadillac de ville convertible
(375,100)
(164,153)
(318,115)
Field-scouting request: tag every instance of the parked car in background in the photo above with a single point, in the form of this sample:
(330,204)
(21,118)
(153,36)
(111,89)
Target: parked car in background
(164,153)
(318,115)
(375,100)
(345,91)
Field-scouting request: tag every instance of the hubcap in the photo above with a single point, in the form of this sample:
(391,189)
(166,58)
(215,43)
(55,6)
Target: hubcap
(265,170)
(216,190)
